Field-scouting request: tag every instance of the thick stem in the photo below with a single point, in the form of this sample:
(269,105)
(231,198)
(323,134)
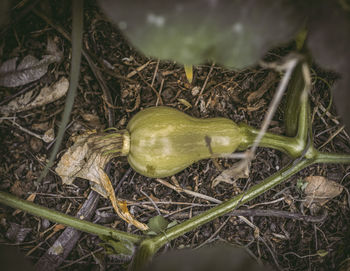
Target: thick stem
(292,146)
(332,158)
(67,220)
(289,145)
(150,246)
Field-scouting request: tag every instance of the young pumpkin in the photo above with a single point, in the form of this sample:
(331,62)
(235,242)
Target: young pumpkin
(162,141)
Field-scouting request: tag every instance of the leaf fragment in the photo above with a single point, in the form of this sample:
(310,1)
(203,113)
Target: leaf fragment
(320,190)
(29,69)
(158,224)
(31,99)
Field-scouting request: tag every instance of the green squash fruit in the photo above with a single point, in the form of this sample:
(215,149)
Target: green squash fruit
(164,141)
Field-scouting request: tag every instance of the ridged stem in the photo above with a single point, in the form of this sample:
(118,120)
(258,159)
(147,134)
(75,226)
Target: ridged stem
(58,217)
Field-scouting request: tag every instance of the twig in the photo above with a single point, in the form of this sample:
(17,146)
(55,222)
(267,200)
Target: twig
(214,234)
(198,195)
(332,136)
(81,258)
(26,130)
(67,240)
(189,192)
(125,176)
(152,87)
(151,200)
(155,73)
(205,83)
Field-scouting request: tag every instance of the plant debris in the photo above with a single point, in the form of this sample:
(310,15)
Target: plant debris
(320,190)
(31,99)
(87,159)
(30,68)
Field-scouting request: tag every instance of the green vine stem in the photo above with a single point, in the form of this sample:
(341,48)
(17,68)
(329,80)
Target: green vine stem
(293,146)
(58,217)
(149,247)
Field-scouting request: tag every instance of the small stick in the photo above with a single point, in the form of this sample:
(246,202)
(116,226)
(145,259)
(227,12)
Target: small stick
(205,83)
(189,192)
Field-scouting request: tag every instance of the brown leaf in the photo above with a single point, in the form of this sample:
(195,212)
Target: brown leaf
(239,170)
(30,99)
(320,190)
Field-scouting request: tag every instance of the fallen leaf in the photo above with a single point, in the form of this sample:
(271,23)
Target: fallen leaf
(29,69)
(87,158)
(239,170)
(320,190)
(58,227)
(31,99)
(56,249)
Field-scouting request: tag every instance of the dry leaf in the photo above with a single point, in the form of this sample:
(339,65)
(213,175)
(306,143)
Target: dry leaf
(189,72)
(29,69)
(58,227)
(86,159)
(30,99)
(239,170)
(320,190)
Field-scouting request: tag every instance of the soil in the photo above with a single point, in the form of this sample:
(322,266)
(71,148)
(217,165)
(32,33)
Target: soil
(136,82)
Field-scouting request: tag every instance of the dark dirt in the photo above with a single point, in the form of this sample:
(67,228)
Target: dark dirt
(285,243)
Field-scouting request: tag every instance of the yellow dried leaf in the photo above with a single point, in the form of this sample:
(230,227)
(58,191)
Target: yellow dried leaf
(189,72)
